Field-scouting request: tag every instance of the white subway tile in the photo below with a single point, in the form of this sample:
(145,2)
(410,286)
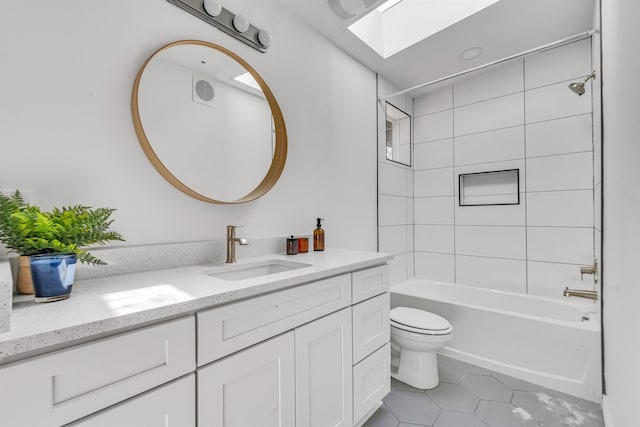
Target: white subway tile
(434,238)
(561,136)
(549,279)
(435,182)
(392,180)
(410,209)
(399,268)
(436,154)
(491,241)
(494,114)
(556,101)
(433,127)
(392,210)
(492,82)
(410,236)
(492,273)
(439,100)
(491,167)
(562,172)
(492,214)
(571,61)
(393,239)
(434,210)
(432,266)
(560,208)
(491,146)
(410,179)
(562,245)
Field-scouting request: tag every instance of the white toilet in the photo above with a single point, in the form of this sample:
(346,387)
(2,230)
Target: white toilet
(416,335)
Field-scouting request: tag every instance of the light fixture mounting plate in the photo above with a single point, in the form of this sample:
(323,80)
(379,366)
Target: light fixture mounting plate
(224,22)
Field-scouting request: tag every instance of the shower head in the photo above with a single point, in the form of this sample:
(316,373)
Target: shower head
(579,87)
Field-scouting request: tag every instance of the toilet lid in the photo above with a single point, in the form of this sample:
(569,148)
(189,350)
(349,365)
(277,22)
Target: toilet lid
(419,319)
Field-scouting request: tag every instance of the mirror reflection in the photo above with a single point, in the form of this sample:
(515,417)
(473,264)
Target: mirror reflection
(206,122)
(398,135)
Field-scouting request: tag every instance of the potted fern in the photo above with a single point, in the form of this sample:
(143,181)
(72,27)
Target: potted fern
(53,241)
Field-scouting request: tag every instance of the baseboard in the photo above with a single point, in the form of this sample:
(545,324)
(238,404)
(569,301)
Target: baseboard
(606,411)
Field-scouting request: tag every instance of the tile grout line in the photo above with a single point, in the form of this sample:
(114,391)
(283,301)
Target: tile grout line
(526,198)
(453,169)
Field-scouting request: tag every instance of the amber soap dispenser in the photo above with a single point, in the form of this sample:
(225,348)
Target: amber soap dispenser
(318,237)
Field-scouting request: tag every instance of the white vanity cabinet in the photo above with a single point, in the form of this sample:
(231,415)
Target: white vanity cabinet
(328,367)
(172,405)
(66,385)
(312,355)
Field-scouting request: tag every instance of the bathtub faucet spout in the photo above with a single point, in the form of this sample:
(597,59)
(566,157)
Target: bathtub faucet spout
(580,293)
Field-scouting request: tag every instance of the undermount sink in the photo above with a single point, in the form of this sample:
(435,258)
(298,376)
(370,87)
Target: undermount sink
(254,269)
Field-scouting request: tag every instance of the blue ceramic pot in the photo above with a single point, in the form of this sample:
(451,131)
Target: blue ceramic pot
(53,276)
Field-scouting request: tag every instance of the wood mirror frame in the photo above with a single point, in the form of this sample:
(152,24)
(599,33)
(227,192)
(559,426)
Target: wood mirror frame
(280,151)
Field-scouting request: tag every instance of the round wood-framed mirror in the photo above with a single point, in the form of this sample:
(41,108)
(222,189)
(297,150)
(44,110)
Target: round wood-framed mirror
(209,123)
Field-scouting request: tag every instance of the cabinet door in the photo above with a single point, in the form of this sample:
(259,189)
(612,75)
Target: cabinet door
(371,382)
(254,387)
(371,326)
(172,405)
(323,372)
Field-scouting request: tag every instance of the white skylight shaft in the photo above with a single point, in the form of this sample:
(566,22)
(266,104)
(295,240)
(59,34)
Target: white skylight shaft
(248,79)
(410,21)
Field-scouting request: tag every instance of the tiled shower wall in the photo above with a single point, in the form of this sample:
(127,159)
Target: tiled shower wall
(518,115)
(395,195)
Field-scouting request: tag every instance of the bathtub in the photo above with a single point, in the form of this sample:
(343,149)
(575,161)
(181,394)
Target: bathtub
(553,343)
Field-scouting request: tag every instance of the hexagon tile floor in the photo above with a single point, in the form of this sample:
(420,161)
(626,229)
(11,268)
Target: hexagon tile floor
(470,396)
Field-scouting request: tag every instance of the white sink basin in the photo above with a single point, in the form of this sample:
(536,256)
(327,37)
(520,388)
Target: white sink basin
(253,269)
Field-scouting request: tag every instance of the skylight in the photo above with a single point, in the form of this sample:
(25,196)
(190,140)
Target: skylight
(398,24)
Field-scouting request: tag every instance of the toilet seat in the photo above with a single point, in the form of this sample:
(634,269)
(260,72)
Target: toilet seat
(419,321)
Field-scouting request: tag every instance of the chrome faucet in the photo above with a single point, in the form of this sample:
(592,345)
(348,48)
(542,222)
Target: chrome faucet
(231,243)
(590,270)
(580,293)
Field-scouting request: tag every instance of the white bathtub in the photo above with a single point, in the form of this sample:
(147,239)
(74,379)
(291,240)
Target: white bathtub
(553,343)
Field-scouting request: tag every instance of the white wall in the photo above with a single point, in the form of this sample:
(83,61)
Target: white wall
(395,194)
(67,135)
(621,252)
(518,115)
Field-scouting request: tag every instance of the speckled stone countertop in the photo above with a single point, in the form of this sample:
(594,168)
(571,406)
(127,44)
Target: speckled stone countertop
(104,306)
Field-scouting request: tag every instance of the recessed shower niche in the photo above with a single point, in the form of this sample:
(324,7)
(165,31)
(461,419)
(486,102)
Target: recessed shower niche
(489,188)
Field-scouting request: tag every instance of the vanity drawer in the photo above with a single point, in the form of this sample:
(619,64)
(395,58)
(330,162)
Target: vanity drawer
(69,384)
(225,330)
(371,329)
(371,382)
(172,405)
(369,283)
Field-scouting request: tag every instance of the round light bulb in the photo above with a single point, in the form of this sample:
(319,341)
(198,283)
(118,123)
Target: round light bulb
(240,23)
(212,7)
(264,37)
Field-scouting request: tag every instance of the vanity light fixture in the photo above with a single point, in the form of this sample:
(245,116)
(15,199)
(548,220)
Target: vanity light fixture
(235,25)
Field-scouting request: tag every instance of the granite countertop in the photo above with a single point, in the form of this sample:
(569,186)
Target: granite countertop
(103,306)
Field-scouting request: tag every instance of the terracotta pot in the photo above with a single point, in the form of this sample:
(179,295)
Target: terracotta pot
(24,280)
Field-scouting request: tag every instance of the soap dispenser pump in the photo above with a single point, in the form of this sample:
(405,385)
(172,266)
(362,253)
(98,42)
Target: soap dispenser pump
(318,237)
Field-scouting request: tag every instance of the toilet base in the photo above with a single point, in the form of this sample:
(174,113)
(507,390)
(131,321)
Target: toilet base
(417,369)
